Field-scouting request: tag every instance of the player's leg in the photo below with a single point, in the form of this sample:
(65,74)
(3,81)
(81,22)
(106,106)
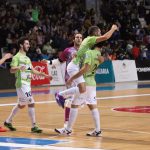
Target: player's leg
(21,104)
(31,111)
(72,116)
(80,87)
(67,110)
(92,104)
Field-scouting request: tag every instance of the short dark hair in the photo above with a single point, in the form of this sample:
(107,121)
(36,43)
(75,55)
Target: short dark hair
(22,40)
(76,34)
(92,30)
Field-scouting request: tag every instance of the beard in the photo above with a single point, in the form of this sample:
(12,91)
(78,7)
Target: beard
(26,49)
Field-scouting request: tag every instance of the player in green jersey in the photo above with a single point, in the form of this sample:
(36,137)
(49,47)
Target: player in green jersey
(22,67)
(91,62)
(75,65)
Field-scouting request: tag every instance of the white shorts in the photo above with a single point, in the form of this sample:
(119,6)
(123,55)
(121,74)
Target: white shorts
(24,95)
(73,69)
(89,97)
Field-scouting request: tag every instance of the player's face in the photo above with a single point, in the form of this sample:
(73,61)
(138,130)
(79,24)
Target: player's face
(78,39)
(98,32)
(26,45)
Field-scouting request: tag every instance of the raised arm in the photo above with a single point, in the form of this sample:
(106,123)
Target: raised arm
(107,35)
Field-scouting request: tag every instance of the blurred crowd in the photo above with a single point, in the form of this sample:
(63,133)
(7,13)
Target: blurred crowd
(51,24)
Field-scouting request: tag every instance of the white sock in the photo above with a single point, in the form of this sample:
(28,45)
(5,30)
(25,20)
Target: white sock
(31,112)
(96,118)
(13,113)
(70,91)
(72,118)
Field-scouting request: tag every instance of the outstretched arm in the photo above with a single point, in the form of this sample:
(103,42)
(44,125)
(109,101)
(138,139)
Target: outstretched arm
(41,73)
(107,35)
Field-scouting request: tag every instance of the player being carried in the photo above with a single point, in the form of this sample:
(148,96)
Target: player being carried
(75,65)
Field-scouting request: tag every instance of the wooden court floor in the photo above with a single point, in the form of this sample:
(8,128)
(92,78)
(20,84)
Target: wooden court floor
(121,130)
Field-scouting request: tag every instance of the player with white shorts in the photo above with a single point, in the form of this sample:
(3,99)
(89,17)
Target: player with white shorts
(74,66)
(24,95)
(92,60)
(22,67)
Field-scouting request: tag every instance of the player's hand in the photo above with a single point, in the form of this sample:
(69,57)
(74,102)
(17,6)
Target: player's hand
(69,81)
(47,76)
(44,61)
(22,68)
(8,55)
(114,27)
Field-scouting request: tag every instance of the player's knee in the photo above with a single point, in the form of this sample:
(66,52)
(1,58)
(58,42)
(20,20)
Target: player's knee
(74,106)
(82,87)
(91,106)
(31,105)
(21,106)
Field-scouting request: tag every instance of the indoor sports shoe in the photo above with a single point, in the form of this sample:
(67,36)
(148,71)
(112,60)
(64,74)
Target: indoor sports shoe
(36,130)
(9,126)
(63,131)
(60,100)
(2,129)
(94,133)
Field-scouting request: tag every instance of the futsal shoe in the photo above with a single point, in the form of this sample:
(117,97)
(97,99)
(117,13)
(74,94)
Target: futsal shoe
(9,126)
(60,100)
(63,131)
(2,129)
(94,133)
(36,130)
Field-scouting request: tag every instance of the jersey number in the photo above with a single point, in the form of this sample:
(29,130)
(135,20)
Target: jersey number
(94,68)
(28,94)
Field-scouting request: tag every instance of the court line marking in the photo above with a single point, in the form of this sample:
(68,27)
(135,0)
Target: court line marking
(124,96)
(98,98)
(42,147)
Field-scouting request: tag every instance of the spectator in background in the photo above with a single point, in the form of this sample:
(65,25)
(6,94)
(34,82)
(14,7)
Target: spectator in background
(48,50)
(136,51)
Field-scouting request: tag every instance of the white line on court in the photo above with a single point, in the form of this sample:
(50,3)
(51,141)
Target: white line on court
(42,147)
(124,96)
(98,98)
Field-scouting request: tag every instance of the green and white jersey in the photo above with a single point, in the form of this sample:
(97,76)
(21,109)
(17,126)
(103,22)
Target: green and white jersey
(86,44)
(91,58)
(22,77)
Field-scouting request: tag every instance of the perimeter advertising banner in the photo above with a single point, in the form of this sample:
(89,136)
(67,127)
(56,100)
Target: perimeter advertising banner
(125,70)
(105,73)
(58,73)
(143,69)
(38,79)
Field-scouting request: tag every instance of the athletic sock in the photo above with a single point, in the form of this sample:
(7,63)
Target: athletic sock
(13,113)
(72,118)
(96,118)
(70,91)
(31,112)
